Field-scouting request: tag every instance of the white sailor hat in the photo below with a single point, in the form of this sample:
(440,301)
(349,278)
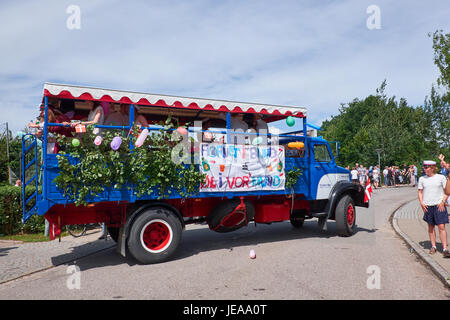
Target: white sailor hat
(429,163)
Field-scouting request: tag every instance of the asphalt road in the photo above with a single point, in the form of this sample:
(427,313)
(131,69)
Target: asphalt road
(290,264)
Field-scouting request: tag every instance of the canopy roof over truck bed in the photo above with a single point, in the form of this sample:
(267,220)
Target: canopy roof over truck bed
(63,91)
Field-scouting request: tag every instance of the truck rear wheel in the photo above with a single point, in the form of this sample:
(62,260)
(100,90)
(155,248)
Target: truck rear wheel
(154,236)
(345,215)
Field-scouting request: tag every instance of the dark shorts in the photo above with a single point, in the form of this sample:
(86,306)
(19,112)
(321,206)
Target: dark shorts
(435,217)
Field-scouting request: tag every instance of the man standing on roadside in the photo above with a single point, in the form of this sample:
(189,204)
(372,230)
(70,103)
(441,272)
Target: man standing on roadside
(385,174)
(415,173)
(432,200)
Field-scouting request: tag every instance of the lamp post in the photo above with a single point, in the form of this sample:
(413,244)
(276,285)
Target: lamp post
(378,152)
(7,151)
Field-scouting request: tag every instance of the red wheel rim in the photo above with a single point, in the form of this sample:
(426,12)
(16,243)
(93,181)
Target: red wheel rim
(156,236)
(350,214)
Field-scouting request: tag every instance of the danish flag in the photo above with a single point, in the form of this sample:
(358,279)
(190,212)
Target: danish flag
(368,192)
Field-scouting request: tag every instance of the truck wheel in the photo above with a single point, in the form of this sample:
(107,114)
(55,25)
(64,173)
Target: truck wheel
(297,218)
(345,215)
(154,236)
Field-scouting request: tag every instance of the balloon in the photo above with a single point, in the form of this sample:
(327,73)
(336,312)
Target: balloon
(115,143)
(296,144)
(182,130)
(140,140)
(98,140)
(290,121)
(75,142)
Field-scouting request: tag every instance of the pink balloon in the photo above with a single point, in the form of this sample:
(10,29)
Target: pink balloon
(98,140)
(115,143)
(142,136)
(182,130)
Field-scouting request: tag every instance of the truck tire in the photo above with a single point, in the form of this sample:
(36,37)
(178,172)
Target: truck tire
(345,216)
(297,218)
(154,235)
(223,210)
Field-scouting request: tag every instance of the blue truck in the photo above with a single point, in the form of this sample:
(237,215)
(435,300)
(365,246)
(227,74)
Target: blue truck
(238,188)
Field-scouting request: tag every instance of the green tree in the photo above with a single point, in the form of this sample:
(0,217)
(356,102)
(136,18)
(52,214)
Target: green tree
(402,131)
(438,104)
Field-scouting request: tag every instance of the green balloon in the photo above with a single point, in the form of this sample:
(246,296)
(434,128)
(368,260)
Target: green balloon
(75,142)
(290,121)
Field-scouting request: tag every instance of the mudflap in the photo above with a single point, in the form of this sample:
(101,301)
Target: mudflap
(122,241)
(322,223)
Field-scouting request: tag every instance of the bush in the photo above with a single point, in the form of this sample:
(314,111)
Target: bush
(11,212)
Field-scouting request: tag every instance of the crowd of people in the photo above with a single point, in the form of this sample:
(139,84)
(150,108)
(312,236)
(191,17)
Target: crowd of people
(391,176)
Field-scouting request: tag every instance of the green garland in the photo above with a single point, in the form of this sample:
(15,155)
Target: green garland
(292,177)
(87,170)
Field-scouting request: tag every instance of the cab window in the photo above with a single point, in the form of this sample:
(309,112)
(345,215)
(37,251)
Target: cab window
(321,153)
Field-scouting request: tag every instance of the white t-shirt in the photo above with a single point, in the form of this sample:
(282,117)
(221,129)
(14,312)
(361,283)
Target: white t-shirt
(375,173)
(433,189)
(354,174)
(385,172)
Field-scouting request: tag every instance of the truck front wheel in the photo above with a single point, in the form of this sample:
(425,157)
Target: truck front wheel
(154,236)
(345,215)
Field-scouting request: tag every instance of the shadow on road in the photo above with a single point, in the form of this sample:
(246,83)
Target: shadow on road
(4,251)
(427,245)
(202,239)
(78,255)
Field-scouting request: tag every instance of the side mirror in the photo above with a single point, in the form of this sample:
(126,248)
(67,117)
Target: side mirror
(337,149)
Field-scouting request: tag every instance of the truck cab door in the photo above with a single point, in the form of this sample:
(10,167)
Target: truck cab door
(323,171)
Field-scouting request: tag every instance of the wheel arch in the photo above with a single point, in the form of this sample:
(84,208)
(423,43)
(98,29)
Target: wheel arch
(138,208)
(340,189)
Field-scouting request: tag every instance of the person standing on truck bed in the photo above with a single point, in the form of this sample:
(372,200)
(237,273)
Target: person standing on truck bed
(432,200)
(239,126)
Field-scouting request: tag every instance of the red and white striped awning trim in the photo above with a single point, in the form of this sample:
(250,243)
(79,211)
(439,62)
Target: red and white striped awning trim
(117,96)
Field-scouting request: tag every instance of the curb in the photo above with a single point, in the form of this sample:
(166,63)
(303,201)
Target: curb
(11,242)
(442,274)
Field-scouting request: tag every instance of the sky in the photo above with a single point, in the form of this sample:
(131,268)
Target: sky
(313,54)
